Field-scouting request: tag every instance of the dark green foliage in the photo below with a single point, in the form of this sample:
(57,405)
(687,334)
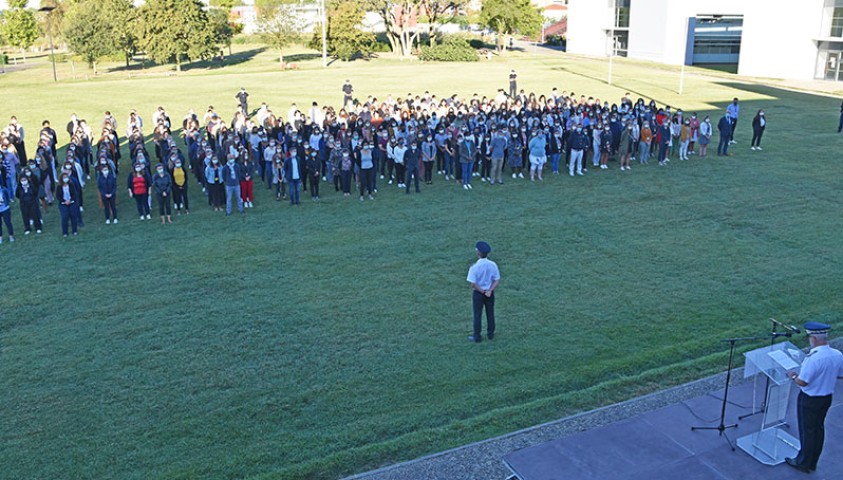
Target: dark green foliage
(451,49)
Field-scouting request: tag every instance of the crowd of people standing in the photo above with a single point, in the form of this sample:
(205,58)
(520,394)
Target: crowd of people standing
(361,146)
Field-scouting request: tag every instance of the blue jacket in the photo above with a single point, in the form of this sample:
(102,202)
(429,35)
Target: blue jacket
(107,185)
(578,140)
(232,180)
(5,199)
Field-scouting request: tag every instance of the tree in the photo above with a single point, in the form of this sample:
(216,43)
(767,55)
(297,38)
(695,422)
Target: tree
(88,32)
(278,24)
(345,39)
(98,28)
(223,32)
(20,29)
(507,17)
(399,18)
(438,12)
(171,29)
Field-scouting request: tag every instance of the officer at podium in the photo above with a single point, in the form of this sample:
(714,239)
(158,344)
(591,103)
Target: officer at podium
(821,369)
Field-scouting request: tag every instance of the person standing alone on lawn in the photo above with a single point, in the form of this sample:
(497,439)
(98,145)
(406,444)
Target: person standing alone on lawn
(484,277)
(243,98)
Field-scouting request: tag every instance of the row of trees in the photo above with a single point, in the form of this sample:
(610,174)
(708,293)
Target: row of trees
(175,30)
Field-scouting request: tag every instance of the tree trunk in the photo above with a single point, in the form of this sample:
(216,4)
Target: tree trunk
(229,48)
(95,67)
(23,52)
(431,35)
(281,58)
(127,59)
(178,62)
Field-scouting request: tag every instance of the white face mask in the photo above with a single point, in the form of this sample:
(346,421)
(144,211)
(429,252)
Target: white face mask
(105,172)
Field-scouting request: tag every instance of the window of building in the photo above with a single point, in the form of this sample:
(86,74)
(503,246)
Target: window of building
(622,8)
(837,22)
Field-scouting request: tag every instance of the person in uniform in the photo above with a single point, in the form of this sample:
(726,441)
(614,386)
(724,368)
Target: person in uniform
(243,100)
(821,369)
(484,277)
(347,93)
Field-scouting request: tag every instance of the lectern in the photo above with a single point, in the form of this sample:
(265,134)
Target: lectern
(772,444)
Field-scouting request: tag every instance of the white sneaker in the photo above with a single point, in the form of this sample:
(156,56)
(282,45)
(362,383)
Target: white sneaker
(572,173)
(114,222)
(758,148)
(82,209)
(483,179)
(141,217)
(464,186)
(579,173)
(107,221)
(521,175)
(390,182)
(148,216)
(37,231)
(381,177)
(469,186)
(324,178)
(514,176)
(26,232)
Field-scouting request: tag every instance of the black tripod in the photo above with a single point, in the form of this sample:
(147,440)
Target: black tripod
(773,336)
(723,427)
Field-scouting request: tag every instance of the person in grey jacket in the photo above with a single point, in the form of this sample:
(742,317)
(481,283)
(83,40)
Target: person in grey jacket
(497,151)
(162,185)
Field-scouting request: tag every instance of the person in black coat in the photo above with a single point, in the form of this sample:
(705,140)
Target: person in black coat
(27,193)
(759,123)
(68,195)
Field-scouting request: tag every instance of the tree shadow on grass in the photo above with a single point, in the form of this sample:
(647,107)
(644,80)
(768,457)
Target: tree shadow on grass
(228,61)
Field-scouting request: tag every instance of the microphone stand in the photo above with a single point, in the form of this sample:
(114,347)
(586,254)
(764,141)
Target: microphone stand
(773,336)
(723,427)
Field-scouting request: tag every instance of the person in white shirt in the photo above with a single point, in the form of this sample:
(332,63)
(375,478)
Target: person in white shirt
(484,278)
(816,378)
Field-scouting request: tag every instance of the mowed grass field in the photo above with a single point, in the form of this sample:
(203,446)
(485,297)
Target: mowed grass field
(328,339)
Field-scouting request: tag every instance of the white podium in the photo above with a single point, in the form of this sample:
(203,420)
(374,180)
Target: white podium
(772,444)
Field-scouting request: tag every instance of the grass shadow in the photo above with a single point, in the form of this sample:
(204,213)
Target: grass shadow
(227,61)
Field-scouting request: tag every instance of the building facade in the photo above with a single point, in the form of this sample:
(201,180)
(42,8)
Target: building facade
(764,38)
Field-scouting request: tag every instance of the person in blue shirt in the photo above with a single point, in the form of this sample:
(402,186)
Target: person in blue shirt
(6,213)
(484,278)
(733,110)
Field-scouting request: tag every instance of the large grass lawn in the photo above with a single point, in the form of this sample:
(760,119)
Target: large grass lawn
(328,339)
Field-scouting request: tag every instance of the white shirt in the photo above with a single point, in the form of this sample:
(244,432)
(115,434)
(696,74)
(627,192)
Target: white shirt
(484,273)
(820,370)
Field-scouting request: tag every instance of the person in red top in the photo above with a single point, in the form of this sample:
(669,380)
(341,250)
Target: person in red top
(140,187)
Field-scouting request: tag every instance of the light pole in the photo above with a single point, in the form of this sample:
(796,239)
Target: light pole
(324,36)
(48,10)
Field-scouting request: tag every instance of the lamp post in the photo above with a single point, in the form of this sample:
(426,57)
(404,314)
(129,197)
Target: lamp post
(324,36)
(48,10)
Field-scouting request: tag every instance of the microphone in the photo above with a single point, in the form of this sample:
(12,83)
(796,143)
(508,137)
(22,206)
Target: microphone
(786,327)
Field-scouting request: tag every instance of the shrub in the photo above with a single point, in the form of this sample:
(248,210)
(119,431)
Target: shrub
(450,49)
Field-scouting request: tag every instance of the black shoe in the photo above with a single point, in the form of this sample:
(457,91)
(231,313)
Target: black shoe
(490,336)
(472,338)
(797,466)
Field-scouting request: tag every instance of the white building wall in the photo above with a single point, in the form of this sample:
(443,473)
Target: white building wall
(777,39)
(587,35)
(781,45)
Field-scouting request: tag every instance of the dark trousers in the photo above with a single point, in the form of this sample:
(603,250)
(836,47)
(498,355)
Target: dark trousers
(840,125)
(757,133)
(734,128)
(142,202)
(30,212)
(314,185)
(180,196)
(478,301)
(69,213)
(485,168)
(110,207)
(428,172)
(723,146)
(345,179)
(811,414)
(400,172)
(412,172)
(6,217)
(367,177)
(164,204)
